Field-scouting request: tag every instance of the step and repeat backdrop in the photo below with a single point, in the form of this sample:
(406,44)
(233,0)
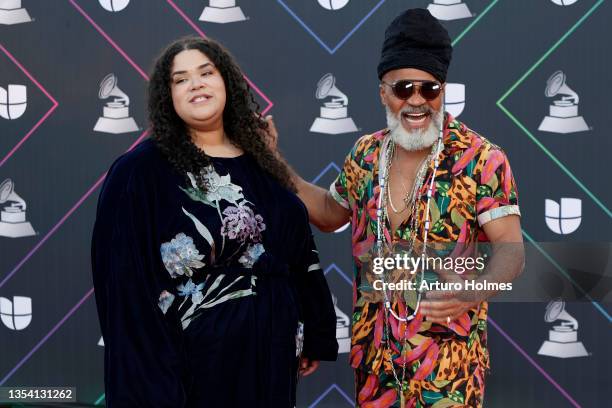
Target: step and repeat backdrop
(531,75)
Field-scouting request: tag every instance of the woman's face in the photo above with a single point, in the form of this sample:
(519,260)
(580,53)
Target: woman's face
(198,90)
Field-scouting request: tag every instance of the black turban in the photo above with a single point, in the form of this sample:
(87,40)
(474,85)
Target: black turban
(416,39)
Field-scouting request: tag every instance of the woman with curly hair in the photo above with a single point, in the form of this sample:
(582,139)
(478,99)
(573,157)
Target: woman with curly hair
(206,275)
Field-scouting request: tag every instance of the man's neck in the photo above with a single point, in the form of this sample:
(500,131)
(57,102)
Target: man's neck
(404,155)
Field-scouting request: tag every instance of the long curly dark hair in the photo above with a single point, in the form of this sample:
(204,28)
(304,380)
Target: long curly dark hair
(242,121)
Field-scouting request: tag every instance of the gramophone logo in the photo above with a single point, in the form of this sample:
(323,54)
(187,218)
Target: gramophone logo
(11,12)
(16,314)
(333,4)
(13,102)
(116,117)
(563,113)
(564,2)
(564,217)
(13,222)
(334,118)
(114,5)
(342,329)
(562,339)
(454,98)
(222,11)
(449,9)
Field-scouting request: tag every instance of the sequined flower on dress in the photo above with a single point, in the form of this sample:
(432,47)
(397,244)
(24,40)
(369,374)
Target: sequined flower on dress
(217,188)
(251,255)
(241,223)
(180,255)
(193,290)
(165,301)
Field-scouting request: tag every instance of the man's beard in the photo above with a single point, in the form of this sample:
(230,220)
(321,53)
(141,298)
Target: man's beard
(414,140)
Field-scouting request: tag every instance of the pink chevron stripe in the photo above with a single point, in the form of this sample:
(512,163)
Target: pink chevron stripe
(110,40)
(65,217)
(47,336)
(199,31)
(45,116)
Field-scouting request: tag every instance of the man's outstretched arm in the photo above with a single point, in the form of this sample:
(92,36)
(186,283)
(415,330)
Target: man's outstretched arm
(325,213)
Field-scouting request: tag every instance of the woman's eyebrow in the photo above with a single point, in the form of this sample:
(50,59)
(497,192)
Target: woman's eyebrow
(184,72)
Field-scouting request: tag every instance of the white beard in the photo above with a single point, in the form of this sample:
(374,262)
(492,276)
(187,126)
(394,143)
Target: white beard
(416,140)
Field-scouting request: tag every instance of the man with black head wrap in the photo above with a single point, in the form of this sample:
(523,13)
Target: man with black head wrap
(425,179)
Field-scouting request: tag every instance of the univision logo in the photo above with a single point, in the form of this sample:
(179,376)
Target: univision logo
(564,2)
(564,217)
(13,102)
(114,5)
(454,98)
(16,315)
(333,4)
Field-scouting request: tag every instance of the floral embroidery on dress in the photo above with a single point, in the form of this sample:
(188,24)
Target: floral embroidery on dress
(180,255)
(251,255)
(217,188)
(165,301)
(239,224)
(193,290)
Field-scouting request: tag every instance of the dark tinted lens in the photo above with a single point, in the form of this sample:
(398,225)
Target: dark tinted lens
(430,90)
(403,89)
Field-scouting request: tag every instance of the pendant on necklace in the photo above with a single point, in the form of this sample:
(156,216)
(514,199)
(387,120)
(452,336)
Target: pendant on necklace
(402,398)
(406,201)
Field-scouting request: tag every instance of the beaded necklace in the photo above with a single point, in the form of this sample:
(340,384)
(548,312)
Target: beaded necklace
(385,158)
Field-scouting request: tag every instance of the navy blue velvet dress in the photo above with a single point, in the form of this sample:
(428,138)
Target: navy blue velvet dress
(205,299)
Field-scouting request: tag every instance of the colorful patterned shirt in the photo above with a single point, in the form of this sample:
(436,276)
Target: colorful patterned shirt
(446,362)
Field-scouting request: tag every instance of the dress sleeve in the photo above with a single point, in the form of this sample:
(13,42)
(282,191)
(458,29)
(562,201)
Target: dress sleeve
(143,359)
(496,194)
(316,303)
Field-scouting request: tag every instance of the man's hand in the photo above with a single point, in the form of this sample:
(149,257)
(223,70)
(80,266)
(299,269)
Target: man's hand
(323,210)
(308,366)
(505,265)
(271,135)
(445,306)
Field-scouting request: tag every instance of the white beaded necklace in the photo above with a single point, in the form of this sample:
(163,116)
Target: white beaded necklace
(385,157)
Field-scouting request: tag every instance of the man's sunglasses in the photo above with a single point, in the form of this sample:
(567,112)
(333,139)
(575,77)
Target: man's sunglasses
(405,88)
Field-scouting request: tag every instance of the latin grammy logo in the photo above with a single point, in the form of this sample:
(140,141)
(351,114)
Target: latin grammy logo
(222,12)
(454,98)
(13,102)
(563,113)
(449,10)
(334,115)
(342,329)
(13,222)
(562,339)
(11,12)
(116,118)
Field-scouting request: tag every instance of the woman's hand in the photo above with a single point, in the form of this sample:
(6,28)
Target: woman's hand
(308,366)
